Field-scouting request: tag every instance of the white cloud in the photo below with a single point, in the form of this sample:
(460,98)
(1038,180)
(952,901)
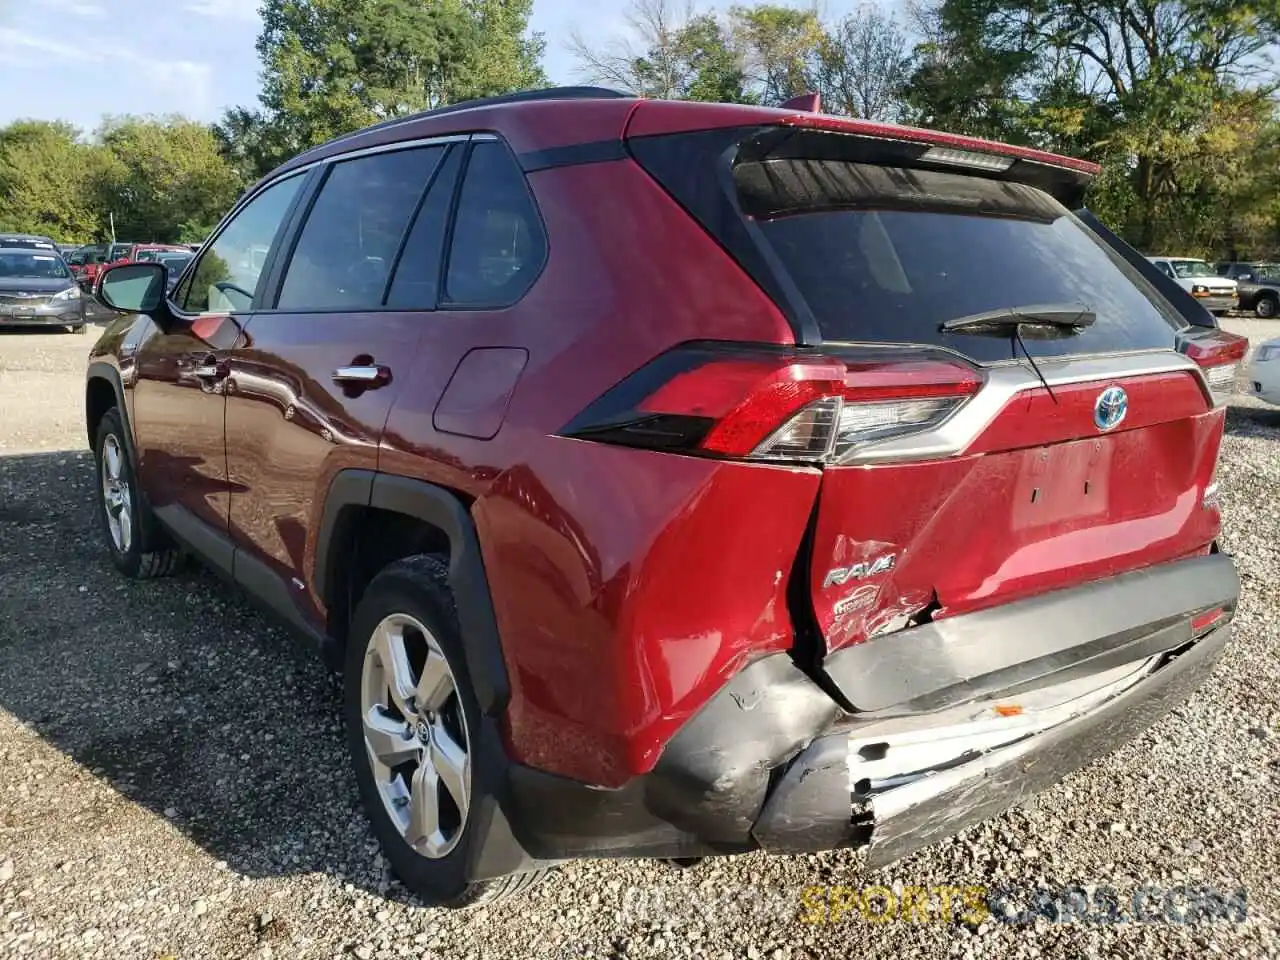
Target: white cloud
(188,78)
(226,9)
(11,40)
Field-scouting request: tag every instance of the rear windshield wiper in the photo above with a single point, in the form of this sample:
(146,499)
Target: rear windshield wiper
(1060,316)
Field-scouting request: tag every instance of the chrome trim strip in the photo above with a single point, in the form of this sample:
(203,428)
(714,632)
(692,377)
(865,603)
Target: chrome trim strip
(955,434)
(390,148)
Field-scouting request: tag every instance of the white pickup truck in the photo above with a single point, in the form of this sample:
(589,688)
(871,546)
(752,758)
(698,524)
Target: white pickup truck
(1217,294)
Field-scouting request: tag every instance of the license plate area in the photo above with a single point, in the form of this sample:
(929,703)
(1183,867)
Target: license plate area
(1062,482)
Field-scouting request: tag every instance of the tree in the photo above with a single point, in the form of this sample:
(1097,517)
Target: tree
(863,65)
(781,47)
(667,54)
(332,66)
(1150,87)
(162,174)
(47,181)
(251,144)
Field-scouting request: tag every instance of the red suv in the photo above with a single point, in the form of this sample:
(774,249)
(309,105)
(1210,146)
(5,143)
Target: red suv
(674,479)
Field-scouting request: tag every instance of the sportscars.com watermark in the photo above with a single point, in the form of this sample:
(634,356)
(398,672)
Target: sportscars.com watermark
(972,905)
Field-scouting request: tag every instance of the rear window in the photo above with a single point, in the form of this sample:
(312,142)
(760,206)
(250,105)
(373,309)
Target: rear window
(887,254)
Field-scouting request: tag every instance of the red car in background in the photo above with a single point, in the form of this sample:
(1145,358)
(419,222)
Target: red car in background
(144,252)
(96,258)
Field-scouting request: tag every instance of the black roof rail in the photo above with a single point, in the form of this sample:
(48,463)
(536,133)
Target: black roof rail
(520,96)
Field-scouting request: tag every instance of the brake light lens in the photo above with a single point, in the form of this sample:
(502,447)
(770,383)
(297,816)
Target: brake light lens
(774,405)
(1219,355)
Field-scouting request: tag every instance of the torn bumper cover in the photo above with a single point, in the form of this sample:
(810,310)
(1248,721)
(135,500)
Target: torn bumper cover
(919,807)
(956,721)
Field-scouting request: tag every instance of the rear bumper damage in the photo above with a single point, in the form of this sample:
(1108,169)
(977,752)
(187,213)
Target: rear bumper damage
(955,721)
(942,800)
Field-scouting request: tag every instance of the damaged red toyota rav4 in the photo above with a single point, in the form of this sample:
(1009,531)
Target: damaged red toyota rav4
(678,479)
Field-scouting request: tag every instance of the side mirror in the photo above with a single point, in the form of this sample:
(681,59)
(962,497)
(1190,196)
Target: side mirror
(133,287)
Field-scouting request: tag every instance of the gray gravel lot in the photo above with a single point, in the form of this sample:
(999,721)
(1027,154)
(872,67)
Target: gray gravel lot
(173,782)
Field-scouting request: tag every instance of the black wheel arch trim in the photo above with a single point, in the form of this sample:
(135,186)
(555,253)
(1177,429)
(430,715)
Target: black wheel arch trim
(102,370)
(443,509)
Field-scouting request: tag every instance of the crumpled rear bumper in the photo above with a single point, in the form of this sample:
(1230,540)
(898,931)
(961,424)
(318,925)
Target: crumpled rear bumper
(810,809)
(766,763)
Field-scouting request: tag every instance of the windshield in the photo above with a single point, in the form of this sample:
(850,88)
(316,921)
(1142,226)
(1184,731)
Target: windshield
(1191,268)
(32,266)
(888,254)
(174,261)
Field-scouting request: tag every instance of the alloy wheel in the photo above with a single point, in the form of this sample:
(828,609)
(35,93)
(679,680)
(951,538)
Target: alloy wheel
(415,734)
(115,494)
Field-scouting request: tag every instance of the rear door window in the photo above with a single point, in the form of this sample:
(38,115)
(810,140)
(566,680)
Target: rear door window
(887,254)
(349,242)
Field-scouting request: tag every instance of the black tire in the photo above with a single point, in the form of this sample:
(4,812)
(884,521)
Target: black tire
(79,328)
(417,587)
(148,552)
(1267,307)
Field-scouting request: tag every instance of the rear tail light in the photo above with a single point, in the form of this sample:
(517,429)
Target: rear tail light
(777,405)
(1218,354)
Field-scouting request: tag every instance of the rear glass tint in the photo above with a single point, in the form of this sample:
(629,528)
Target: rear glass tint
(888,254)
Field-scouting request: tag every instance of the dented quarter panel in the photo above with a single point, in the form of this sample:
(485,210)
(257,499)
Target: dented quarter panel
(1041,500)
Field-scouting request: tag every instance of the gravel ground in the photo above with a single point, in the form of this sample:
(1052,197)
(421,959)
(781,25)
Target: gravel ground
(174,782)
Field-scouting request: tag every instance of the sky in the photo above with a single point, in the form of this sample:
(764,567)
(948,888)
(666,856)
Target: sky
(78,60)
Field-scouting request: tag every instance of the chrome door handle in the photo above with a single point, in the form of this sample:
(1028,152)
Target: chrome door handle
(373,375)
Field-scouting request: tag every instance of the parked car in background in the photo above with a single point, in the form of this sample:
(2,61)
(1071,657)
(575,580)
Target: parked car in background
(1216,293)
(37,290)
(1264,372)
(1257,286)
(27,241)
(653,505)
(174,263)
(96,256)
(143,252)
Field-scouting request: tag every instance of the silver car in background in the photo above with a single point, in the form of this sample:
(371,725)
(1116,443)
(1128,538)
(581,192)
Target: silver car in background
(38,290)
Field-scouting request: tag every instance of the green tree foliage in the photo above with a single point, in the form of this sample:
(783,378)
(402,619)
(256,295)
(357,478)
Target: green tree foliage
(764,53)
(161,174)
(48,180)
(333,66)
(1173,96)
(667,53)
(162,180)
(780,47)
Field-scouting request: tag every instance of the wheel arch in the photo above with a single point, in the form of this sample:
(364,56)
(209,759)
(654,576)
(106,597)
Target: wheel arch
(357,495)
(103,390)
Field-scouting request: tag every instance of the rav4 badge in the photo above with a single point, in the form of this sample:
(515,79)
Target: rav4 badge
(859,571)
